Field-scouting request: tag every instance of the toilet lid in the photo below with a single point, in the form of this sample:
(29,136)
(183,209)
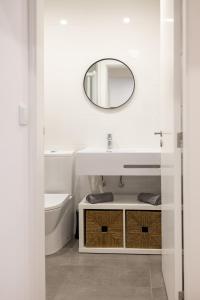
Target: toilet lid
(53,201)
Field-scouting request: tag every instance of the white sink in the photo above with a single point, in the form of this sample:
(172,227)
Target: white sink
(118,150)
(122,161)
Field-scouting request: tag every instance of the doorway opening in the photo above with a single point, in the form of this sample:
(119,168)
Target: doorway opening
(126,248)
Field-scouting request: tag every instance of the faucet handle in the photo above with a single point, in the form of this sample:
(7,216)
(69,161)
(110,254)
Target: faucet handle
(159,133)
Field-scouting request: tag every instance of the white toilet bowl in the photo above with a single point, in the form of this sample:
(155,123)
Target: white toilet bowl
(59,221)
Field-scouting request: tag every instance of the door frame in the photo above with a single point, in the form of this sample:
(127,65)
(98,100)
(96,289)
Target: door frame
(191,147)
(191,159)
(36,150)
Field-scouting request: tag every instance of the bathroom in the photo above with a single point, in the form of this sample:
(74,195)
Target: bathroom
(95,146)
(65,146)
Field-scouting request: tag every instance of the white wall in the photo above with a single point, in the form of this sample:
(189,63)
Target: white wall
(19,257)
(96,30)
(13,152)
(191,149)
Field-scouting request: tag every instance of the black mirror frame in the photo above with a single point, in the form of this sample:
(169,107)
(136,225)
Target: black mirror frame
(116,107)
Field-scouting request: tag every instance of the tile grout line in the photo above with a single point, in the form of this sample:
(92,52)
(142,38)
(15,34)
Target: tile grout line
(150,276)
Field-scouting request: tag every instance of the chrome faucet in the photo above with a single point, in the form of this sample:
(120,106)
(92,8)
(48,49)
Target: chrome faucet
(109,142)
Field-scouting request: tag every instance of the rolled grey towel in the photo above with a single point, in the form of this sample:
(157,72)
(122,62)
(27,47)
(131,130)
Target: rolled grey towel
(154,199)
(100,198)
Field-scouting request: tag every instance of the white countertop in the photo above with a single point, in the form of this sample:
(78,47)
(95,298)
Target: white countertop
(118,150)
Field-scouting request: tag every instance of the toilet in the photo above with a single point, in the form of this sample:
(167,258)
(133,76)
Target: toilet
(58,200)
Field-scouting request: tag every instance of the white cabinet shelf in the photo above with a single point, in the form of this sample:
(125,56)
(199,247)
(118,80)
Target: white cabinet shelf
(123,203)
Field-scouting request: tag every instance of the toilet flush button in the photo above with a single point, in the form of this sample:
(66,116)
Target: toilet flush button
(23,115)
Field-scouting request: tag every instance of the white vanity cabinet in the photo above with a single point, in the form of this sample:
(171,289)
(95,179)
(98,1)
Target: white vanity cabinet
(125,225)
(127,162)
(122,226)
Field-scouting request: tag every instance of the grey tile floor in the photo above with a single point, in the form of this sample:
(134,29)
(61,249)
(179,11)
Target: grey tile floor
(74,276)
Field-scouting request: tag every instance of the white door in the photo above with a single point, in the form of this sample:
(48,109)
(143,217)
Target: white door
(171,160)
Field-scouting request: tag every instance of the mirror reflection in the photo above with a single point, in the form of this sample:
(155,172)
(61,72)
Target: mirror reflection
(109,83)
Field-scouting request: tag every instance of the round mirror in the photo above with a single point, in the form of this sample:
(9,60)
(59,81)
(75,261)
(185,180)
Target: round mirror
(109,83)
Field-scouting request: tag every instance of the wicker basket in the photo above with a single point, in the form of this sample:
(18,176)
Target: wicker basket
(104,228)
(143,229)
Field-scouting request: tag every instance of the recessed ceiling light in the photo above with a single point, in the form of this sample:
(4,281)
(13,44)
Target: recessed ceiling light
(170,20)
(167,20)
(63,22)
(126,20)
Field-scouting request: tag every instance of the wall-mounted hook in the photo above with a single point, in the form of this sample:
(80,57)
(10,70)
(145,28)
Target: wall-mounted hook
(121,183)
(103,181)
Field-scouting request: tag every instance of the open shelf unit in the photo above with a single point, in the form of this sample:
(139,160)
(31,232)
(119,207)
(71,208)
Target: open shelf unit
(123,203)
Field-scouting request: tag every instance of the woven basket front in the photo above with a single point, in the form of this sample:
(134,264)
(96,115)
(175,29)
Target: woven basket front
(104,228)
(143,229)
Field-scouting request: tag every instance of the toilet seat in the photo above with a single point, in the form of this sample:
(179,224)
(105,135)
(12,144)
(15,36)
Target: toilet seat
(55,201)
